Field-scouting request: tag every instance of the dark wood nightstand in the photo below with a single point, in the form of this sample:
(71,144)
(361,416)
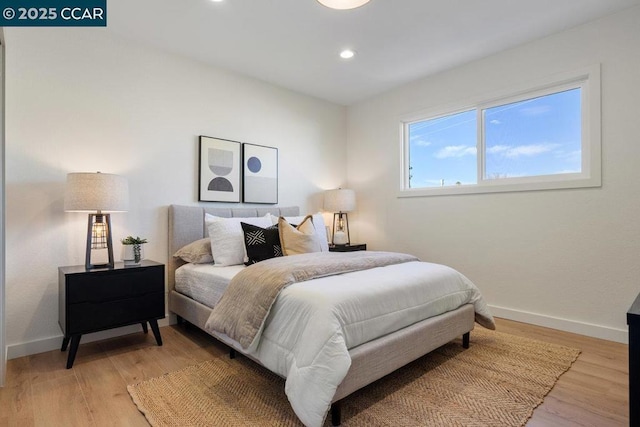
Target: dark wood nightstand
(348,248)
(106,298)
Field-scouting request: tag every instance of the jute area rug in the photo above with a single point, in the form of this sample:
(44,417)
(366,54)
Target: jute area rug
(498,381)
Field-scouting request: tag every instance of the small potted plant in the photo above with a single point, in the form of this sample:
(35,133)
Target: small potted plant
(132,250)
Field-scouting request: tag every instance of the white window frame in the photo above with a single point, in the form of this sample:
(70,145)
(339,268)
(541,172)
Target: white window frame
(588,80)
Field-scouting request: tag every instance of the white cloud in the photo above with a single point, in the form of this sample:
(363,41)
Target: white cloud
(570,156)
(568,171)
(456,151)
(495,122)
(498,149)
(421,143)
(530,150)
(521,150)
(535,111)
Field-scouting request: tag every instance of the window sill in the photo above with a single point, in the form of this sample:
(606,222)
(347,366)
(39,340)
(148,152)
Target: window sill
(501,187)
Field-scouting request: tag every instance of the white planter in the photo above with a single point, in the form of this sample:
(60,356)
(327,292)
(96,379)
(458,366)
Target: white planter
(129,253)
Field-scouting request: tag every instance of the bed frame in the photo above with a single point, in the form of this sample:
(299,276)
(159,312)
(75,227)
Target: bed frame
(369,361)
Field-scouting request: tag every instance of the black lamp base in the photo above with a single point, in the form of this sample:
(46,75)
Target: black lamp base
(104,219)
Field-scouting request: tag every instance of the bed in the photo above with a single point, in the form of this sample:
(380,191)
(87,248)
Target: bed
(369,360)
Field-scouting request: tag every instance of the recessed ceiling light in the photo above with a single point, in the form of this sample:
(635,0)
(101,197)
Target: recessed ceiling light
(343,4)
(217,1)
(347,54)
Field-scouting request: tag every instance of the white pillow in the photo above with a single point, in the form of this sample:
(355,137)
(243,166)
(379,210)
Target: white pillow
(318,224)
(227,238)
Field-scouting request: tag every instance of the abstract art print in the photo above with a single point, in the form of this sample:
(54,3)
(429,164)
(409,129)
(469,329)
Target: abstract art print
(260,174)
(219,167)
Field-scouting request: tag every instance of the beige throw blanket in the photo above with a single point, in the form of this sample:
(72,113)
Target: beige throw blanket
(244,307)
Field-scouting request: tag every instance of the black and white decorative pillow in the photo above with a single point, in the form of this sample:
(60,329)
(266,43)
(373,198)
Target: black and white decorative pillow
(261,243)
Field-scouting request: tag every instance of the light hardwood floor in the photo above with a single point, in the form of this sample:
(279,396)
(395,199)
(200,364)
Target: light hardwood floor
(41,392)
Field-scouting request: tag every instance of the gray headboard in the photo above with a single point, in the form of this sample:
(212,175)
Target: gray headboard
(186,225)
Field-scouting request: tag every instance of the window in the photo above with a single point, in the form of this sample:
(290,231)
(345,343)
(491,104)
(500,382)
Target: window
(443,151)
(543,138)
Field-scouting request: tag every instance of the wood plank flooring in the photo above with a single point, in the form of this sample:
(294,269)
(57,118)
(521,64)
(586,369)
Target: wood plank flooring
(41,392)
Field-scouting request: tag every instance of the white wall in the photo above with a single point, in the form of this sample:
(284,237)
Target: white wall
(569,259)
(83,100)
(3,347)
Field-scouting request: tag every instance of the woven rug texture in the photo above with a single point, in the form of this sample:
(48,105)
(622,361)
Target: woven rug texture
(498,381)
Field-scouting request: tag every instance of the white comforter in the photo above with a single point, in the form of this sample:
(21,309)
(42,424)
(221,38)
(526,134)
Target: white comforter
(312,324)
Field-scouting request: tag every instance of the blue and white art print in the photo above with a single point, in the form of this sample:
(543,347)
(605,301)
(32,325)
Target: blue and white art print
(260,174)
(219,170)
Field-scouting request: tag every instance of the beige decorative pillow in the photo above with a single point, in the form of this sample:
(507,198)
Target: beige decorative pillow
(318,224)
(300,240)
(198,252)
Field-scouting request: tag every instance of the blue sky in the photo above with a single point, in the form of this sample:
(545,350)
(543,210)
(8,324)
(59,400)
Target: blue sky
(539,136)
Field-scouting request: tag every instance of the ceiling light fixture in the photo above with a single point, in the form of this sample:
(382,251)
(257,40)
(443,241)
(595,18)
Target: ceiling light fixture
(347,54)
(343,4)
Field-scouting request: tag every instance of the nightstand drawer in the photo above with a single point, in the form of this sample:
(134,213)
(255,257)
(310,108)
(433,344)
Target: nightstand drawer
(115,284)
(94,316)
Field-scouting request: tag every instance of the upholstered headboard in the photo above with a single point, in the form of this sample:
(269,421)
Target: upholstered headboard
(186,224)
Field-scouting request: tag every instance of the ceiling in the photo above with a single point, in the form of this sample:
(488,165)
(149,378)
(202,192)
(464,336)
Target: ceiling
(296,43)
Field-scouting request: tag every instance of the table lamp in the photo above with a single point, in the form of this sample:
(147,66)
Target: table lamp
(97,193)
(340,202)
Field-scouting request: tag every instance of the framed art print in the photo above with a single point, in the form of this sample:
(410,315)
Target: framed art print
(259,174)
(219,170)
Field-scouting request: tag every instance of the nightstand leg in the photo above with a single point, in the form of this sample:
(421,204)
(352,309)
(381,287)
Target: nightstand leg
(65,343)
(144,327)
(75,342)
(156,331)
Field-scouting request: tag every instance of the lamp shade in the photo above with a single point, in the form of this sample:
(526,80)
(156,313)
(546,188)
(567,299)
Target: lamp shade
(343,4)
(340,200)
(95,191)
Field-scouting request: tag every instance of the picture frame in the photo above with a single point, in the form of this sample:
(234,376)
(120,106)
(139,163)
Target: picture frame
(219,170)
(259,174)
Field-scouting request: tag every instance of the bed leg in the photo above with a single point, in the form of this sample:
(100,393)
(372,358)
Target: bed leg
(335,413)
(465,340)
(179,320)
(232,353)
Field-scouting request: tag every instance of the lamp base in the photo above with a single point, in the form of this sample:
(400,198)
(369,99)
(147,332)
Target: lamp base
(340,238)
(340,229)
(105,220)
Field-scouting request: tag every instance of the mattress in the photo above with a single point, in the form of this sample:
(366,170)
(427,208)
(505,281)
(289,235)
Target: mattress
(205,283)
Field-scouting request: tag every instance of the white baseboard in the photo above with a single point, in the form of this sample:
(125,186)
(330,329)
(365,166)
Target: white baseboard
(54,343)
(588,329)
